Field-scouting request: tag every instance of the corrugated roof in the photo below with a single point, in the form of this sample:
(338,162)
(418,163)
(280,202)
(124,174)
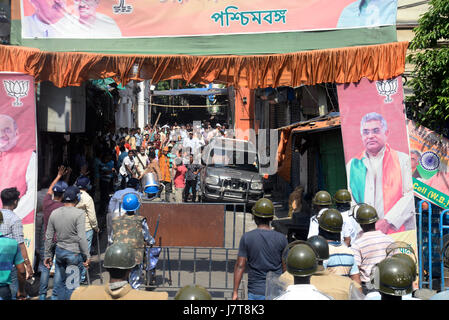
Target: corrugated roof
(319,124)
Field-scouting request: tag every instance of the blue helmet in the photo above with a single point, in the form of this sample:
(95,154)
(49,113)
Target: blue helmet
(131,202)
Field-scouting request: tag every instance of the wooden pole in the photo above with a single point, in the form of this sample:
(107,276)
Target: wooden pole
(158,116)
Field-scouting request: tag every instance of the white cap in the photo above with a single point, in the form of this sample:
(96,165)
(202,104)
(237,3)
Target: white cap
(218,125)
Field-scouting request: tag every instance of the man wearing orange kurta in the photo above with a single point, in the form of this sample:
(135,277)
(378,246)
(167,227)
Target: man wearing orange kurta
(165,178)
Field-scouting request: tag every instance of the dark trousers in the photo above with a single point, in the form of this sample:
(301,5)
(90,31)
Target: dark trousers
(190,184)
(5,293)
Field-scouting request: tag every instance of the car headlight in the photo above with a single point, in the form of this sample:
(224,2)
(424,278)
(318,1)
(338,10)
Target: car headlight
(256,185)
(212,180)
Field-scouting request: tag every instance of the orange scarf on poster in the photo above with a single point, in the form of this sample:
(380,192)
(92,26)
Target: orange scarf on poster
(391,180)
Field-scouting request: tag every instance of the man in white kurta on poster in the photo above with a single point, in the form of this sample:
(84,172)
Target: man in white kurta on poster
(381,177)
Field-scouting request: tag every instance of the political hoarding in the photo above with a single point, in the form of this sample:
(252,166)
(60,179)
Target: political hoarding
(201,27)
(167,18)
(429,161)
(376,148)
(18,144)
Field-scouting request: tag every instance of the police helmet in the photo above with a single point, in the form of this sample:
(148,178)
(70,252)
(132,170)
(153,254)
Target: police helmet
(302,260)
(193,292)
(119,256)
(322,198)
(395,277)
(320,245)
(331,220)
(342,196)
(366,214)
(131,202)
(263,208)
(408,260)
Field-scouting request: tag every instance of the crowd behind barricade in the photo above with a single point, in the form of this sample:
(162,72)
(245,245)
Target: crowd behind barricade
(164,151)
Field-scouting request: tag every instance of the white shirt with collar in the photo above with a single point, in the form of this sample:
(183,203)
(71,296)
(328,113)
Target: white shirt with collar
(375,295)
(302,292)
(349,228)
(66,27)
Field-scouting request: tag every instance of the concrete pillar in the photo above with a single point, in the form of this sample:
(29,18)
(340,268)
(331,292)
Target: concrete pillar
(141,105)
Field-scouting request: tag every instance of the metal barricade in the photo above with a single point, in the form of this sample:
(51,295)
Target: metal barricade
(429,244)
(443,227)
(210,267)
(434,255)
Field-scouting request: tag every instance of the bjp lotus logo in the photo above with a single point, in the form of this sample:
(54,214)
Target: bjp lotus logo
(387,88)
(17,89)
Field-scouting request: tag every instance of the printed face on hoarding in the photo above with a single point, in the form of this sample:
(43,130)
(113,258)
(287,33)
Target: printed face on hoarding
(374,136)
(49,11)
(8,133)
(414,157)
(86,8)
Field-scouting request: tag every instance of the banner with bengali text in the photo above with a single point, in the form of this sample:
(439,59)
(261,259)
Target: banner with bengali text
(111,19)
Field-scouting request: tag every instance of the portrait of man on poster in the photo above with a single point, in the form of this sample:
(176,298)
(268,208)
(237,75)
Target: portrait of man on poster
(17,167)
(381,177)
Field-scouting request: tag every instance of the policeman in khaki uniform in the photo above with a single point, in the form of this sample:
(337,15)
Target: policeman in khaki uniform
(133,229)
(338,287)
(119,260)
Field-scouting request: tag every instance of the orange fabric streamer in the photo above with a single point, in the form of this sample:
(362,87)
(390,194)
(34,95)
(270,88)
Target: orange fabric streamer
(339,65)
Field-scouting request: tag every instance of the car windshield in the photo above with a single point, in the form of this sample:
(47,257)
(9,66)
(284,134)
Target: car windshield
(236,159)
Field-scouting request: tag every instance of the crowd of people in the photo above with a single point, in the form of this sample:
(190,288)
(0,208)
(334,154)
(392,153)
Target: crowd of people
(78,202)
(170,153)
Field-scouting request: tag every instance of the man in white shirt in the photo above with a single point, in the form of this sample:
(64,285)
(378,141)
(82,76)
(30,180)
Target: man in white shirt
(351,229)
(86,203)
(127,170)
(191,144)
(302,263)
(381,177)
(50,20)
(141,161)
(321,202)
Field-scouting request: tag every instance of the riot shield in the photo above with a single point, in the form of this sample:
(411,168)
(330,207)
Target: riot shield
(274,286)
(355,293)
